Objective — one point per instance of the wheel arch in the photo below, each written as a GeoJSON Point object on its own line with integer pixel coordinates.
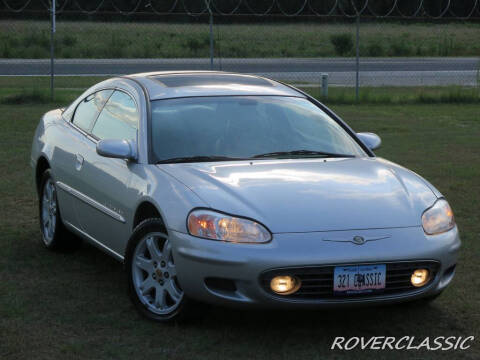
{"type": "Point", "coordinates": [41, 166]}
{"type": "Point", "coordinates": [146, 210]}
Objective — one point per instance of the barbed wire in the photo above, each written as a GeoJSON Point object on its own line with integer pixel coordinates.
{"type": "Point", "coordinates": [169, 9]}
{"type": "Point", "coordinates": [433, 9]}
{"type": "Point", "coordinates": [130, 11]}
{"type": "Point", "coordinates": [330, 12]}
{"type": "Point", "coordinates": [388, 13]}
{"type": "Point", "coordinates": [91, 11]}
{"type": "Point", "coordinates": [202, 4]}
{"type": "Point", "coordinates": [216, 8]}
{"type": "Point", "coordinates": [17, 9]}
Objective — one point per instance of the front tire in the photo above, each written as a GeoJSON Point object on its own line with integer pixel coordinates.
{"type": "Point", "coordinates": [152, 274]}
{"type": "Point", "coordinates": [54, 234]}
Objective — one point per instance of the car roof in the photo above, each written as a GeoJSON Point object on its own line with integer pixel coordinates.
{"type": "Point", "coordinates": [175, 84]}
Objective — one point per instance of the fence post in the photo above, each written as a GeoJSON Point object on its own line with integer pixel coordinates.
{"type": "Point", "coordinates": [207, 3]}
{"type": "Point", "coordinates": [211, 41]}
{"type": "Point", "coordinates": [324, 86]}
{"type": "Point", "coordinates": [478, 73]}
{"type": "Point", "coordinates": [357, 72]}
{"type": "Point", "coordinates": [52, 49]}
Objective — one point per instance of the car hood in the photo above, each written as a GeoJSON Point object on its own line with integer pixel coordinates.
{"type": "Point", "coordinates": [307, 195]}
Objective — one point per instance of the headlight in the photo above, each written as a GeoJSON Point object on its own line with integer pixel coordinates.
{"type": "Point", "coordinates": [438, 219]}
{"type": "Point", "coordinates": [217, 226]}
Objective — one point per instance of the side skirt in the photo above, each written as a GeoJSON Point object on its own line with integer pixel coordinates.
{"type": "Point", "coordinates": [94, 242]}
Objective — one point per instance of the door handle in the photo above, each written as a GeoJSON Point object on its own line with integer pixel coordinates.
{"type": "Point", "coordinates": [79, 162]}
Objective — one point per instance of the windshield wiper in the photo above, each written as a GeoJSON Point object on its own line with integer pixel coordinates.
{"type": "Point", "coordinates": [192, 159]}
{"type": "Point", "coordinates": [310, 153]}
{"type": "Point", "coordinates": [203, 158]}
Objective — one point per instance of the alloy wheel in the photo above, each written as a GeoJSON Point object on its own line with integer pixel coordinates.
{"type": "Point", "coordinates": [155, 275]}
{"type": "Point", "coordinates": [49, 212]}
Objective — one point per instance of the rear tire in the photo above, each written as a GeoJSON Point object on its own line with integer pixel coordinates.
{"type": "Point", "coordinates": [54, 234]}
{"type": "Point", "coordinates": [152, 275]}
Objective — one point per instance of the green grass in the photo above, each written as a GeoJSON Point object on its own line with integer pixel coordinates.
{"type": "Point", "coordinates": [17, 90]}
{"type": "Point", "coordinates": [399, 95]}
{"type": "Point", "coordinates": [9, 83]}
{"type": "Point", "coordinates": [75, 305]}
{"type": "Point", "coordinates": [36, 90]}
{"type": "Point", "coordinates": [31, 39]}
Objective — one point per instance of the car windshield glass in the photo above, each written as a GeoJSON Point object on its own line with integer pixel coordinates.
{"type": "Point", "coordinates": [246, 127]}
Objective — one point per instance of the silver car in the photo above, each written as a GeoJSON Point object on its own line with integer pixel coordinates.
{"type": "Point", "coordinates": [237, 190]}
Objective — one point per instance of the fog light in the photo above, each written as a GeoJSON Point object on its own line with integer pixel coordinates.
{"type": "Point", "coordinates": [419, 277]}
{"type": "Point", "coordinates": [285, 285]}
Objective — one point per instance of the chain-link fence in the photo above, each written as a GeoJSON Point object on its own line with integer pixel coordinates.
{"type": "Point", "coordinates": [347, 43]}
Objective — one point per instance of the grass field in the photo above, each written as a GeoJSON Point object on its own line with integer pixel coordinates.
{"type": "Point", "coordinates": [74, 305]}
{"type": "Point", "coordinates": [31, 39]}
{"type": "Point", "coordinates": [15, 90]}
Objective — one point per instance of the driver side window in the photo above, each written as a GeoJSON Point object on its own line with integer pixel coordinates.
{"type": "Point", "coordinates": [89, 108]}
{"type": "Point", "coordinates": [118, 119]}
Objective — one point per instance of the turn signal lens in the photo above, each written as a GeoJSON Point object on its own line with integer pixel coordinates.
{"type": "Point", "coordinates": [419, 277]}
{"type": "Point", "coordinates": [216, 226]}
{"type": "Point", "coordinates": [285, 285]}
{"type": "Point", "coordinates": [438, 219]}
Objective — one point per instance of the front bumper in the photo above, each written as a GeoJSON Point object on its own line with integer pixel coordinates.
{"type": "Point", "coordinates": [243, 264]}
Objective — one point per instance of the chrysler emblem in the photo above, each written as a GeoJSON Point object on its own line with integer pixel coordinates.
{"type": "Point", "coordinates": [359, 240]}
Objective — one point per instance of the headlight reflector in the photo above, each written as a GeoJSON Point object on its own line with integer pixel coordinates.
{"type": "Point", "coordinates": [438, 219]}
{"type": "Point", "coordinates": [217, 226]}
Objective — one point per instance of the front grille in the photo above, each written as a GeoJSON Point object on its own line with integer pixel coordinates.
{"type": "Point", "coordinates": [317, 281]}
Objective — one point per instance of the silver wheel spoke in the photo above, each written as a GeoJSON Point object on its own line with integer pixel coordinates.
{"type": "Point", "coordinates": [44, 209]}
{"type": "Point", "coordinates": [172, 291]}
{"type": "Point", "coordinates": [49, 191]}
{"type": "Point", "coordinates": [153, 248]}
{"type": "Point", "coordinates": [54, 196]}
{"type": "Point", "coordinates": [172, 270]}
{"type": "Point", "coordinates": [50, 226]}
{"type": "Point", "coordinates": [144, 264]}
{"type": "Point", "coordinates": [160, 299]}
{"type": "Point", "coordinates": [147, 285]}
{"type": "Point", "coordinates": [166, 251]}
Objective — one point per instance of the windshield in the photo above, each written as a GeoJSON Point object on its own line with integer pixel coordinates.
{"type": "Point", "coordinates": [243, 127]}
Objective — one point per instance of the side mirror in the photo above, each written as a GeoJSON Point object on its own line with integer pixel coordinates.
{"type": "Point", "coordinates": [119, 149]}
{"type": "Point", "coordinates": [371, 140]}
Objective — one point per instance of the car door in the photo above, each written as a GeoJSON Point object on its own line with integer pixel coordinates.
{"type": "Point", "coordinates": [105, 182]}
{"type": "Point", "coordinates": [67, 161]}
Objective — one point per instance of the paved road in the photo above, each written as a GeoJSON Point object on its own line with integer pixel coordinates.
{"type": "Point", "coordinates": [374, 71]}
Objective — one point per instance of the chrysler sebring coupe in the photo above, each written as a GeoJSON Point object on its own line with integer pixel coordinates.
{"type": "Point", "coordinates": [238, 190]}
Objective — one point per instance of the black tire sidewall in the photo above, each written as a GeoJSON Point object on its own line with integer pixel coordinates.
{"type": "Point", "coordinates": [142, 229]}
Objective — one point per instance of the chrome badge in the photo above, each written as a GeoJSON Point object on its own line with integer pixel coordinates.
{"type": "Point", "coordinates": [358, 240]}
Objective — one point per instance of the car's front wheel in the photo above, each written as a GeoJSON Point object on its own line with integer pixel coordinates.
{"type": "Point", "coordinates": [54, 234]}
{"type": "Point", "coordinates": [152, 274]}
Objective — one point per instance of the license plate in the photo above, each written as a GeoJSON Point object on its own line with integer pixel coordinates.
{"type": "Point", "coordinates": [359, 279]}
